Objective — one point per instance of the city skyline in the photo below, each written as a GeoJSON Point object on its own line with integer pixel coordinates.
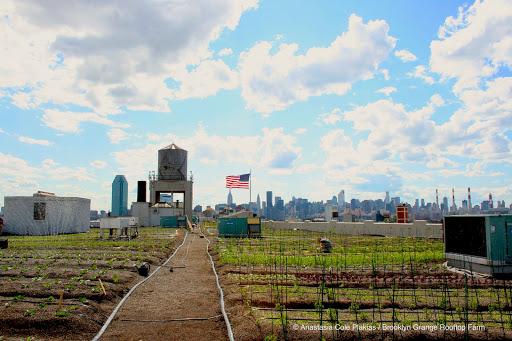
{"type": "Point", "coordinates": [309, 97]}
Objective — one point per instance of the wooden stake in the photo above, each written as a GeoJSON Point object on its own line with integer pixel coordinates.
{"type": "Point", "coordinates": [102, 287]}
{"type": "Point", "coordinates": [60, 300]}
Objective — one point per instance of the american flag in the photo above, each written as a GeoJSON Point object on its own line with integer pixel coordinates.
{"type": "Point", "coordinates": [237, 181]}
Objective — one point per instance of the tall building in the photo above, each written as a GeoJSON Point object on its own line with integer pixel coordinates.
{"type": "Point", "coordinates": [386, 199]}
{"type": "Point", "coordinates": [334, 200]}
{"type": "Point", "coordinates": [269, 199]}
{"type": "Point", "coordinates": [230, 198]}
{"type": "Point", "coordinates": [269, 210]}
{"type": "Point", "coordinates": [341, 198]}
{"type": "Point", "coordinates": [258, 202]}
{"type": "Point", "coordinates": [119, 196]}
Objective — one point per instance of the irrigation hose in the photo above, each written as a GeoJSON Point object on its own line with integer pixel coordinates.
{"type": "Point", "coordinates": [114, 313]}
{"type": "Point", "coordinates": [176, 320]}
{"type": "Point", "coordinates": [226, 319]}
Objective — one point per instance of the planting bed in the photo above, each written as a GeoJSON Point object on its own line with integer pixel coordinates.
{"type": "Point", "coordinates": [367, 287]}
{"type": "Point", "coordinates": [34, 271]}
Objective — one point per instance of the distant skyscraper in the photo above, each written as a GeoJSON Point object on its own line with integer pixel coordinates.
{"type": "Point", "coordinates": [334, 200]}
{"type": "Point", "coordinates": [341, 198]}
{"type": "Point", "coordinates": [230, 198]}
{"type": "Point", "coordinates": [119, 196]}
{"type": "Point", "coordinates": [269, 210]}
{"type": "Point", "coordinates": [258, 202]}
{"type": "Point", "coordinates": [386, 198]}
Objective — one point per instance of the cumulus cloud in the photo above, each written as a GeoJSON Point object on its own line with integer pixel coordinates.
{"type": "Point", "coordinates": [98, 164]}
{"type": "Point", "coordinates": [68, 121]}
{"type": "Point", "coordinates": [405, 56]}
{"type": "Point", "coordinates": [387, 90]}
{"type": "Point", "coordinates": [225, 52]}
{"type": "Point", "coordinates": [117, 135]}
{"type": "Point", "coordinates": [207, 79]}
{"type": "Point", "coordinates": [271, 149]}
{"type": "Point", "coordinates": [272, 82]}
{"type": "Point", "coordinates": [48, 163]}
{"type": "Point", "coordinates": [474, 44]}
{"type": "Point", "coordinates": [437, 101]}
{"type": "Point", "coordinates": [330, 117]}
{"type": "Point", "coordinates": [307, 168]}
{"type": "Point", "coordinates": [420, 72]}
{"type": "Point", "coordinates": [300, 131]}
{"type": "Point", "coordinates": [31, 140]}
{"type": "Point", "coordinates": [479, 128]}
{"type": "Point", "coordinates": [104, 55]}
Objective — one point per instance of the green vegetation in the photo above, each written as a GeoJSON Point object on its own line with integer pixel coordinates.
{"type": "Point", "coordinates": [364, 280]}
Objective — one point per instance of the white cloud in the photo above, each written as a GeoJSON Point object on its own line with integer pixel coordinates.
{"type": "Point", "coordinates": [48, 163]}
{"type": "Point", "coordinates": [474, 44]}
{"type": "Point", "coordinates": [273, 82]}
{"type": "Point", "coordinates": [441, 162]}
{"type": "Point", "coordinates": [419, 72]}
{"type": "Point", "coordinates": [104, 55]}
{"type": "Point", "coordinates": [479, 128]}
{"type": "Point", "coordinates": [206, 80]}
{"type": "Point", "coordinates": [300, 131]}
{"type": "Point", "coordinates": [437, 101]}
{"type": "Point", "coordinates": [405, 56]}
{"type": "Point", "coordinates": [225, 52]}
{"type": "Point", "coordinates": [79, 174]}
{"type": "Point", "coordinates": [271, 149]}
{"type": "Point", "coordinates": [331, 117]}
{"type": "Point", "coordinates": [307, 168]}
{"type": "Point", "coordinates": [387, 90]}
{"type": "Point", "coordinates": [98, 164]}
{"type": "Point", "coordinates": [14, 166]}
{"type": "Point", "coordinates": [385, 72]}
{"type": "Point", "coordinates": [1, 131]}
{"type": "Point", "coordinates": [69, 121]}
{"type": "Point", "coordinates": [31, 140]}
{"type": "Point", "coordinates": [117, 135]}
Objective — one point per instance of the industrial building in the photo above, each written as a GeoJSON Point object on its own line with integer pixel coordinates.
{"type": "Point", "coordinates": [45, 214]}
{"type": "Point", "coordinates": [171, 181]}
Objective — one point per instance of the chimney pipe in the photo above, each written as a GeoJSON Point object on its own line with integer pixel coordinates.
{"type": "Point", "coordinates": [141, 191]}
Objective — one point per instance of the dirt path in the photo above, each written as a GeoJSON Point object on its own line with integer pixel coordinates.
{"type": "Point", "coordinates": [189, 292]}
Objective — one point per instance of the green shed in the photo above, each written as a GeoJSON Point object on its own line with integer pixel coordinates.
{"type": "Point", "coordinates": [173, 221]}
{"type": "Point", "coordinates": [479, 243]}
{"type": "Point", "coordinates": [169, 221]}
{"type": "Point", "coordinates": [236, 226]}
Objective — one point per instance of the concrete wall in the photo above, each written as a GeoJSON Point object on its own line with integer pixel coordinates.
{"type": "Point", "coordinates": [63, 215]}
{"type": "Point", "coordinates": [418, 228]}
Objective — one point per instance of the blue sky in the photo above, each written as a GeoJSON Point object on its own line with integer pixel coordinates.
{"type": "Point", "coordinates": [311, 96]}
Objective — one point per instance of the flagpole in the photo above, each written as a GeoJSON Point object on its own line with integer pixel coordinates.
{"type": "Point", "coordinates": [250, 187]}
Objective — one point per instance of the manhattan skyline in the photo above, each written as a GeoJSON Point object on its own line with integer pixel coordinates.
{"type": "Point", "coordinates": [310, 97]}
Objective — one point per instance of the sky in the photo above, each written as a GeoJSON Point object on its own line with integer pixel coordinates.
{"type": "Point", "coordinates": [311, 97]}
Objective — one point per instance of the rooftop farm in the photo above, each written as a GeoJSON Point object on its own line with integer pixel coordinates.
{"type": "Point", "coordinates": [53, 284]}
{"type": "Point", "coordinates": [366, 287]}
